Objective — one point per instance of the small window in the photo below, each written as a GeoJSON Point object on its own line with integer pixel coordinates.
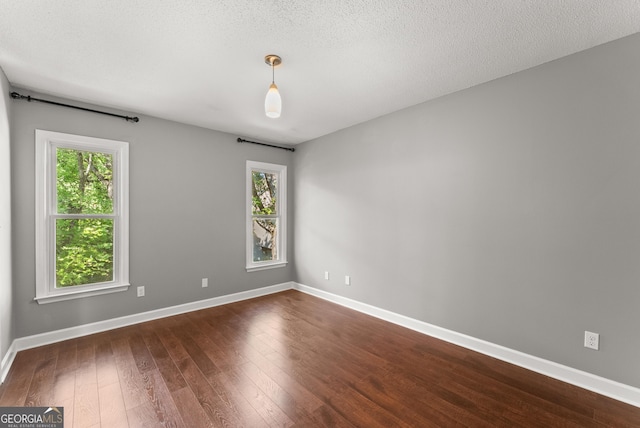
{"type": "Point", "coordinates": [266, 215]}
{"type": "Point", "coordinates": [82, 229]}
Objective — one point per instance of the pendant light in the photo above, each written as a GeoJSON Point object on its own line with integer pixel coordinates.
{"type": "Point", "coordinates": [273, 102]}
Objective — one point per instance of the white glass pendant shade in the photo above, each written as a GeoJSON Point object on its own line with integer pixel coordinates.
{"type": "Point", "coordinates": [273, 102]}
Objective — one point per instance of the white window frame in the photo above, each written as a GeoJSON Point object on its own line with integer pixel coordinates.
{"type": "Point", "coordinates": [46, 213]}
{"type": "Point", "coordinates": [281, 210]}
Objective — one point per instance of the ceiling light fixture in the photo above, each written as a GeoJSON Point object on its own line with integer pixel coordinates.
{"type": "Point", "coordinates": [273, 102]}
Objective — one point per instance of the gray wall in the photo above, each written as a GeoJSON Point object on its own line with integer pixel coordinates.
{"type": "Point", "coordinates": [187, 219]}
{"type": "Point", "coordinates": [6, 311]}
{"type": "Point", "coordinates": [509, 211]}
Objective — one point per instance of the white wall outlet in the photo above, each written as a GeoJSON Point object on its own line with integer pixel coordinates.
{"type": "Point", "coordinates": [591, 340]}
{"type": "Point", "coordinates": [326, 275]}
{"type": "Point", "coordinates": [141, 291]}
{"type": "Point", "coordinates": [205, 282]}
{"type": "Point", "coordinates": [347, 280]}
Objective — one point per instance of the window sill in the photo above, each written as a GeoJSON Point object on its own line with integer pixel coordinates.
{"type": "Point", "coordinates": [79, 294]}
{"type": "Point", "coordinates": [265, 267]}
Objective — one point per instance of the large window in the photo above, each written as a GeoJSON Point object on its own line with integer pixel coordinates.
{"type": "Point", "coordinates": [266, 215]}
{"type": "Point", "coordinates": [82, 228]}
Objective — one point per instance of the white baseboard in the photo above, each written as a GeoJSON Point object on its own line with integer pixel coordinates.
{"type": "Point", "coordinates": [5, 365]}
{"type": "Point", "coordinates": [600, 385]}
{"type": "Point", "coordinates": [616, 390]}
{"type": "Point", "coordinates": [36, 340]}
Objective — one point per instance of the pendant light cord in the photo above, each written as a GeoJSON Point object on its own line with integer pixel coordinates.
{"type": "Point", "coordinates": [273, 73]}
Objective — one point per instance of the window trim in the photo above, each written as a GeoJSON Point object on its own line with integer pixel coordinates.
{"type": "Point", "coordinates": [46, 214]}
{"type": "Point", "coordinates": [281, 170]}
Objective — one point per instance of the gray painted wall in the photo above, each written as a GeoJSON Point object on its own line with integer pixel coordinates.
{"type": "Point", "coordinates": [508, 211]}
{"type": "Point", "coordinates": [6, 310]}
{"type": "Point", "coordinates": [187, 219]}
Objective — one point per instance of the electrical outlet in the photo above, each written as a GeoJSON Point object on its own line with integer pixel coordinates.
{"type": "Point", "coordinates": [591, 340]}
{"type": "Point", "coordinates": [347, 280]}
{"type": "Point", "coordinates": [326, 275]}
{"type": "Point", "coordinates": [141, 291]}
{"type": "Point", "coordinates": [205, 282]}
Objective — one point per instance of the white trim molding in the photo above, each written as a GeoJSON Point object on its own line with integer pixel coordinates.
{"type": "Point", "coordinates": [47, 338]}
{"type": "Point", "coordinates": [7, 360]}
{"type": "Point", "coordinates": [47, 145]}
{"type": "Point", "coordinates": [616, 390]}
{"type": "Point", "coordinates": [280, 216]}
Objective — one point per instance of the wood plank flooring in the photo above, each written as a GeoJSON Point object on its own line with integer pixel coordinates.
{"type": "Point", "coordinates": [290, 359]}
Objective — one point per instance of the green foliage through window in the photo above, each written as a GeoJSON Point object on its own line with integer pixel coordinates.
{"type": "Point", "coordinates": [84, 251]}
{"type": "Point", "coordinates": [264, 210]}
{"type": "Point", "coordinates": [264, 193]}
{"type": "Point", "coordinates": [85, 236]}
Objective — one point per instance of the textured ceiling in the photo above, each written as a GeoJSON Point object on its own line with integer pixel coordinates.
{"type": "Point", "coordinates": [344, 62]}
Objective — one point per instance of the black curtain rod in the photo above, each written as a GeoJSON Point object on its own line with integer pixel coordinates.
{"type": "Point", "coordinates": [17, 96]}
{"type": "Point", "coordinates": [242, 140]}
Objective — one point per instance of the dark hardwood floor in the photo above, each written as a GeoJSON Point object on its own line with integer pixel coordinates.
{"type": "Point", "coordinates": [290, 359]}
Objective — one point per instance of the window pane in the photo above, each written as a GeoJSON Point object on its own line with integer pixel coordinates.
{"type": "Point", "coordinates": [264, 239]}
{"type": "Point", "coordinates": [84, 251]}
{"type": "Point", "coordinates": [265, 193]}
{"type": "Point", "coordinates": [84, 182]}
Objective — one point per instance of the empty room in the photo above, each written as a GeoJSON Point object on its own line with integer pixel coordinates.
{"type": "Point", "coordinates": [320, 214]}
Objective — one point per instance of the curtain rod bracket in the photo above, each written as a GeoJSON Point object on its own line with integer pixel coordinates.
{"type": "Point", "coordinates": [29, 98]}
